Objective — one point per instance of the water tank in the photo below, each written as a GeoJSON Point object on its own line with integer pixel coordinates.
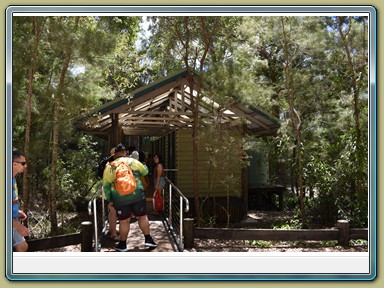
{"type": "Point", "coordinates": [258, 174]}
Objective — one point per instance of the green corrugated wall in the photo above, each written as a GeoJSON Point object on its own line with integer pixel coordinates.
{"type": "Point", "coordinates": [184, 164]}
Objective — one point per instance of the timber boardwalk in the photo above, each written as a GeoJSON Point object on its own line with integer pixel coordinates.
{"type": "Point", "coordinates": [135, 242]}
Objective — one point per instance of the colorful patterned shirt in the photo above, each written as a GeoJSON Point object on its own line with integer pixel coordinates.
{"type": "Point", "coordinates": [15, 199]}
{"type": "Point", "coordinates": [111, 195]}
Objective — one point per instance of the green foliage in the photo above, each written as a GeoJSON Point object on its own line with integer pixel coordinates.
{"type": "Point", "coordinates": [222, 165]}
{"type": "Point", "coordinates": [260, 243]}
{"type": "Point", "coordinates": [358, 242]}
{"type": "Point", "coordinates": [77, 173]}
{"type": "Point", "coordinates": [246, 62]}
{"type": "Point", "coordinates": [291, 201]}
{"type": "Point", "coordinates": [293, 224]}
{"type": "Point", "coordinates": [207, 221]}
{"type": "Point", "coordinates": [341, 187]}
{"type": "Point", "coordinates": [329, 243]}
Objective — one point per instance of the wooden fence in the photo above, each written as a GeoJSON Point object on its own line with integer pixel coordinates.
{"type": "Point", "coordinates": [85, 238]}
{"type": "Point", "coordinates": [342, 234]}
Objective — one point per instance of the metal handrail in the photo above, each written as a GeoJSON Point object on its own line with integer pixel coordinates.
{"type": "Point", "coordinates": [92, 204]}
{"type": "Point", "coordinates": [171, 215]}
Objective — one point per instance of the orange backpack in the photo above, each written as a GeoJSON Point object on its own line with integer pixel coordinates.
{"type": "Point", "coordinates": [125, 182]}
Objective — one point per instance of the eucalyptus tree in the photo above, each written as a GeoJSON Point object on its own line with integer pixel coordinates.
{"type": "Point", "coordinates": [124, 68]}
{"type": "Point", "coordinates": [313, 99]}
{"type": "Point", "coordinates": [78, 37]}
{"type": "Point", "coordinates": [188, 42]}
{"type": "Point", "coordinates": [296, 117]}
{"type": "Point", "coordinates": [283, 57]}
{"type": "Point", "coordinates": [69, 47]}
{"type": "Point", "coordinates": [346, 175]}
{"type": "Point", "coordinates": [351, 39]}
{"type": "Point", "coordinates": [31, 74]}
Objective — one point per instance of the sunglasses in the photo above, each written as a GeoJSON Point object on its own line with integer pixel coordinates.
{"type": "Point", "coordinates": [22, 163]}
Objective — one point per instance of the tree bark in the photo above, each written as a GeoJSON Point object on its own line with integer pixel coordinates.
{"type": "Point", "coordinates": [295, 118]}
{"type": "Point", "coordinates": [356, 70]}
{"type": "Point", "coordinates": [32, 72]}
{"type": "Point", "coordinates": [55, 141]}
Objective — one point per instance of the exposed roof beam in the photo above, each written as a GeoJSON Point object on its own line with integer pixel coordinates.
{"type": "Point", "coordinates": [165, 105]}
{"type": "Point", "coordinates": [157, 123]}
{"type": "Point", "coordinates": [133, 118]}
{"type": "Point", "coordinates": [146, 97]}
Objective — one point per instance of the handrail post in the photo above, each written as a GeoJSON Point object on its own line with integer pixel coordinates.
{"type": "Point", "coordinates": [181, 223]}
{"type": "Point", "coordinates": [176, 213]}
{"type": "Point", "coordinates": [343, 226]}
{"type": "Point", "coordinates": [188, 233]}
{"type": "Point", "coordinates": [86, 236]}
{"type": "Point", "coordinates": [95, 225]}
{"type": "Point", "coordinates": [170, 202]}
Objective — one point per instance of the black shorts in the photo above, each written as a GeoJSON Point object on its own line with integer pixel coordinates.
{"type": "Point", "coordinates": [138, 209]}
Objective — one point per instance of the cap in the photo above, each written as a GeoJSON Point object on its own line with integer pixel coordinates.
{"type": "Point", "coordinates": [135, 155]}
{"type": "Point", "coordinates": [120, 147]}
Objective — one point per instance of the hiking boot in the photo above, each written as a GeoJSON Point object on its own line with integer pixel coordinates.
{"type": "Point", "coordinates": [121, 247]}
{"type": "Point", "coordinates": [149, 242]}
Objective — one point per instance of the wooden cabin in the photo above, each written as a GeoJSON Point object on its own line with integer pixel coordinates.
{"type": "Point", "coordinates": [162, 110]}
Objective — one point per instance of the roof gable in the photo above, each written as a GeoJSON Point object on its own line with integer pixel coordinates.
{"type": "Point", "coordinates": [165, 105]}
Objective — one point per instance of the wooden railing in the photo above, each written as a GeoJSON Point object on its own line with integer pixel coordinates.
{"type": "Point", "coordinates": [342, 234]}
{"type": "Point", "coordinates": [85, 238]}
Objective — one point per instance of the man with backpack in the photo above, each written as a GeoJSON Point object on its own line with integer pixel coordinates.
{"type": "Point", "coordinates": [123, 187]}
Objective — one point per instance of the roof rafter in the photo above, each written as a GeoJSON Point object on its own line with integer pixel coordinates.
{"type": "Point", "coordinates": [165, 105]}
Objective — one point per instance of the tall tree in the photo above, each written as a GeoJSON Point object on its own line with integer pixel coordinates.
{"type": "Point", "coordinates": [354, 44]}
{"type": "Point", "coordinates": [68, 43]}
{"type": "Point", "coordinates": [188, 40]}
{"type": "Point", "coordinates": [32, 72]}
{"type": "Point", "coordinates": [296, 118]}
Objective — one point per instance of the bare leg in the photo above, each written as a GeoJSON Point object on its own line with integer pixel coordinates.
{"type": "Point", "coordinates": [143, 224]}
{"type": "Point", "coordinates": [112, 219]}
{"type": "Point", "coordinates": [21, 247]}
{"type": "Point", "coordinates": [124, 229]}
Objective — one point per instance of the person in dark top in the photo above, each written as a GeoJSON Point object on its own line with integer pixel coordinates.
{"type": "Point", "coordinates": [158, 172]}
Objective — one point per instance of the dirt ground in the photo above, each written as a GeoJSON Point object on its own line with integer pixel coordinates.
{"type": "Point", "coordinates": [204, 245]}
{"type": "Point", "coordinates": [265, 220]}
{"type": "Point", "coordinates": [255, 219]}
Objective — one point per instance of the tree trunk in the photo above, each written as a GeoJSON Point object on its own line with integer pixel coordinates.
{"type": "Point", "coordinates": [32, 72]}
{"type": "Point", "coordinates": [55, 142]}
{"type": "Point", "coordinates": [356, 84]}
{"type": "Point", "coordinates": [195, 155]}
{"type": "Point", "coordinates": [195, 69]}
{"type": "Point", "coordinates": [53, 171]}
{"type": "Point", "coordinates": [295, 118]}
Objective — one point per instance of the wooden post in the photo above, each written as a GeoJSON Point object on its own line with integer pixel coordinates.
{"type": "Point", "coordinates": [343, 226]}
{"type": "Point", "coordinates": [188, 233]}
{"type": "Point", "coordinates": [115, 136]}
{"type": "Point", "coordinates": [86, 236]}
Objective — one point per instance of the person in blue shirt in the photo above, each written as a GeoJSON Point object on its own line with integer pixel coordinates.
{"type": "Point", "coordinates": [19, 244]}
